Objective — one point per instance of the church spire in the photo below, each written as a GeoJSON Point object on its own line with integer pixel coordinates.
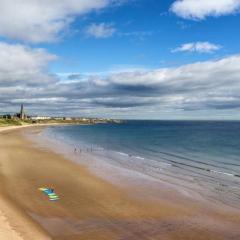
{"type": "Point", "coordinates": [22, 115]}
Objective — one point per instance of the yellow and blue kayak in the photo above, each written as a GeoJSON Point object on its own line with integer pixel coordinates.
{"type": "Point", "coordinates": [52, 196]}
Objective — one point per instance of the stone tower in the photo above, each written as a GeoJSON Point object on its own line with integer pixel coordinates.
{"type": "Point", "coordinates": [22, 115]}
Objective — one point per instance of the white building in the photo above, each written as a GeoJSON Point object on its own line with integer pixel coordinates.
{"type": "Point", "coordinates": [40, 118]}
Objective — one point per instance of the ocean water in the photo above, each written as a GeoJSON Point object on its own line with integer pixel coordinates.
{"type": "Point", "coordinates": [203, 156]}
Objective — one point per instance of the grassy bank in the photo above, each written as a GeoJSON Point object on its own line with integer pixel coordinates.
{"type": "Point", "coordinates": [18, 122]}
{"type": "Point", "coordinates": [10, 122]}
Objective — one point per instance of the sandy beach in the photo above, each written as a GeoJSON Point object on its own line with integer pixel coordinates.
{"type": "Point", "coordinates": [90, 207]}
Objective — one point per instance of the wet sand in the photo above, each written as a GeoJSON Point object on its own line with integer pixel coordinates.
{"type": "Point", "coordinates": [90, 207]}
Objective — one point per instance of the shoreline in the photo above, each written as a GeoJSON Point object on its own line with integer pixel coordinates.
{"type": "Point", "coordinates": [11, 128]}
{"type": "Point", "coordinates": [117, 175]}
{"type": "Point", "coordinates": [110, 166]}
{"type": "Point", "coordinates": [91, 208]}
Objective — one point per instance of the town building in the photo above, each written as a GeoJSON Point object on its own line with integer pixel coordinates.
{"type": "Point", "coordinates": [40, 118]}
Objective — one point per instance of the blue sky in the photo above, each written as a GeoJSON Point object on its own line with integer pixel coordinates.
{"type": "Point", "coordinates": [177, 59]}
{"type": "Point", "coordinates": [146, 32]}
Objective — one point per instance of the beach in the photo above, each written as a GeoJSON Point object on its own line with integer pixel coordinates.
{"type": "Point", "coordinates": [91, 207]}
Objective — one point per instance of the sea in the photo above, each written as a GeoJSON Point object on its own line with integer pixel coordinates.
{"type": "Point", "coordinates": [201, 156]}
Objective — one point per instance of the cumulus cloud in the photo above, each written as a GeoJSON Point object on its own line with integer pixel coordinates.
{"type": "Point", "coordinates": [101, 30]}
{"type": "Point", "coordinates": [24, 78]}
{"type": "Point", "coordinates": [22, 66]}
{"type": "Point", "coordinates": [200, 9]}
{"type": "Point", "coordinates": [43, 20]}
{"type": "Point", "coordinates": [201, 47]}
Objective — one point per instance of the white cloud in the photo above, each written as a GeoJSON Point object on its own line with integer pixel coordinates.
{"type": "Point", "coordinates": [21, 65]}
{"type": "Point", "coordinates": [200, 9]}
{"type": "Point", "coordinates": [201, 47]}
{"type": "Point", "coordinates": [186, 77]}
{"type": "Point", "coordinates": [42, 20]}
{"type": "Point", "coordinates": [24, 77]}
{"type": "Point", "coordinates": [101, 30]}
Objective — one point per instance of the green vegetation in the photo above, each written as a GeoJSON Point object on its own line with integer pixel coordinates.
{"type": "Point", "coordinates": [10, 122]}
{"type": "Point", "coordinates": [18, 122]}
{"type": "Point", "coordinates": [14, 122]}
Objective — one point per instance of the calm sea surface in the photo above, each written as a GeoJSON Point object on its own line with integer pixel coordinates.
{"type": "Point", "coordinates": [199, 155]}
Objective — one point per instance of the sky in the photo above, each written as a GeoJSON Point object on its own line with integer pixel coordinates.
{"type": "Point", "coordinates": [129, 59]}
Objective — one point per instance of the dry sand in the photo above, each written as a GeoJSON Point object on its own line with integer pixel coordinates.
{"type": "Point", "coordinates": [90, 207]}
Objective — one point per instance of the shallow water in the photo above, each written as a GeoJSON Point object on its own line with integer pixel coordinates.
{"type": "Point", "coordinates": [201, 156]}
